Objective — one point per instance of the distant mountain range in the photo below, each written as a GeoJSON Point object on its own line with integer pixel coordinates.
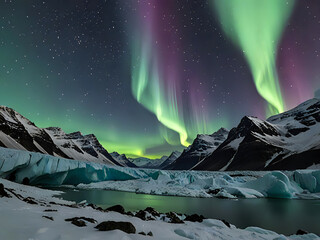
{"type": "Point", "coordinates": [287, 141]}
{"type": "Point", "coordinates": [143, 162]}
{"type": "Point", "coordinates": [18, 132]}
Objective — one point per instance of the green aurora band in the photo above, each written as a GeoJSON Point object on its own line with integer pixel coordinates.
{"type": "Point", "coordinates": [149, 91]}
{"type": "Point", "coordinates": [256, 27]}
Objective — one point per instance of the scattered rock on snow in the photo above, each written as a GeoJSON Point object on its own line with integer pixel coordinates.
{"type": "Point", "coordinates": [116, 208]}
{"type": "Point", "coordinates": [3, 192]}
{"type": "Point", "coordinates": [95, 207]}
{"type": "Point", "coordinates": [79, 223]}
{"type": "Point", "coordinates": [47, 217]}
{"type": "Point", "coordinates": [226, 223]}
{"type": "Point", "coordinates": [91, 220]}
{"type": "Point", "coordinates": [301, 232]}
{"type": "Point", "coordinates": [141, 214]}
{"type": "Point", "coordinates": [194, 218]}
{"type": "Point", "coordinates": [129, 214]}
{"type": "Point", "coordinates": [173, 217]}
{"type": "Point", "coordinates": [146, 234]}
{"type": "Point", "coordinates": [30, 200]}
{"type": "Point", "coordinates": [152, 211]}
{"type": "Point", "coordinates": [111, 225]}
{"type": "Point", "coordinates": [50, 210]}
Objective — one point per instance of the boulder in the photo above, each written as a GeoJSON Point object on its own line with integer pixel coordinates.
{"type": "Point", "coordinates": [112, 225]}
{"type": "Point", "coordinates": [194, 218]}
{"type": "Point", "coordinates": [301, 232]}
{"type": "Point", "coordinates": [116, 208]}
{"type": "Point", "coordinates": [3, 192]}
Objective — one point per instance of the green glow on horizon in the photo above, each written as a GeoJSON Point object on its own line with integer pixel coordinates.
{"type": "Point", "coordinates": [256, 27]}
{"type": "Point", "coordinates": [148, 91]}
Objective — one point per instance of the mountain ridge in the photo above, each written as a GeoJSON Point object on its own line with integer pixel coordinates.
{"type": "Point", "coordinates": [279, 143]}
{"type": "Point", "coordinates": [18, 132]}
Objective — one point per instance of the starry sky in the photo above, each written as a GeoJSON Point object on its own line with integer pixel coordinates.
{"type": "Point", "coordinates": [146, 76]}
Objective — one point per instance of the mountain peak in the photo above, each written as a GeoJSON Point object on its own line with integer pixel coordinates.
{"type": "Point", "coordinates": [75, 135]}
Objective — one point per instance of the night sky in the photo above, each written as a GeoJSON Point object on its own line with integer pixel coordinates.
{"type": "Point", "coordinates": [145, 76]}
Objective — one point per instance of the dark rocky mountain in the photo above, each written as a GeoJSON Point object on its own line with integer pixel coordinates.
{"type": "Point", "coordinates": [201, 147]}
{"type": "Point", "coordinates": [173, 156]}
{"type": "Point", "coordinates": [287, 141]}
{"type": "Point", "coordinates": [18, 132]}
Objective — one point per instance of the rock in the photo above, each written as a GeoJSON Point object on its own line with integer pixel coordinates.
{"type": "Point", "coordinates": [226, 223]}
{"type": "Point", "coordinates": [214, 191]}
{"type": "Point", "coordinates": [146, 234]}
{"type": "Point", "coordinates": [47, 217]}
{"type": "Point", "coordinates": [91, 220]}
{"type": "Point", "coordinates": [50, 210]}
{"type": "Point", "coordinates": [26, 181]}
{"type": "Point", "coordinates": [3, 192]}
{"type": "Point", "coordinates": [95, 207]}
{"type": "Point", "coordinates": [141, 214]}
{"type": "Point", "coordinates": [111, 225]}
{"type": "Point", "coordinates": [129, 214]}
{"type": "Point", "coordinates": [173, 218]}
{"type": "Point", "coordinates": [194, 218]}
{"type": "Point", "coordinates": [116, 208]}
{"type": "Point", "coordinates": [79, 223]}
{"type": "Point", "coordinates": [301, 232]}
{"type": "Point", "coordinates": [30, 200]}
{"type": "Point", "coordinates": [152, 211]}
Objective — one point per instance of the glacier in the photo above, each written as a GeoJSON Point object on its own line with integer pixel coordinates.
{"type": "Point", "coordinates": [40, 169]}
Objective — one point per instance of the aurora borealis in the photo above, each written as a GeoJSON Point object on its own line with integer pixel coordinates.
{"type": "Point", "coordinates": [256, 27]}
{"type": "Point", "coordinates": [147, 76]}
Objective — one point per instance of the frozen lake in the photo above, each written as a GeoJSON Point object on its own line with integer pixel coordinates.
{"type": "Point", "coordinates": [280, 215]}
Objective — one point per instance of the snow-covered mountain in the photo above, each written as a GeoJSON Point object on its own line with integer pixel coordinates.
{"type": "Point", "coordinates": [122, 159]}
{"type": "Point", "coordinates": [173, 156]}
{"type": "Point", "coordinates": [201, 147]}
{"type": "Point", "coordinates": [287, 141]}
{"type": "Point", "coordinates": [18, 132]}
{"type": "Point", "coordinates": [143, 162]}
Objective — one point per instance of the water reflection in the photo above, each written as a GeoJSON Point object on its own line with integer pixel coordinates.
{"type": "Point", "coordinates": [283, 216]}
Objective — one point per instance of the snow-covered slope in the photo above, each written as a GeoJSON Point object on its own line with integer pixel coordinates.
{"type": "Point", "coordinates": [201, 147]}
{"type": "Point", "coordinates": [18, 132]}
{"type": "Point", "coordinates": [79, 147]}
{"type": "Point", "coordinates": [122, 159]}
{"type": "Point", "coordinates": [287, 141]}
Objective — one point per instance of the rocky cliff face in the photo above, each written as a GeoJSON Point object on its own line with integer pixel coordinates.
{"type": "Point", "coordinates": [201, 147]}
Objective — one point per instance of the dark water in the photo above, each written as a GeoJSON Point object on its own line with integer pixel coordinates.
{"type": "Point", "coordinates": [279, 215]}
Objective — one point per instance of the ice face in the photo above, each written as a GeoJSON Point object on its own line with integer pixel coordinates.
{"type": "Point", "coordinates": [41, 169]}
{"type": "Point", "coordinates": [49, 170]}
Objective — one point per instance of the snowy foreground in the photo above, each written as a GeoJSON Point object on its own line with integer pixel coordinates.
{"type": "Point", "coordinates": [33, 213]}
{"type": "Point", "coordinates": [40, 169]}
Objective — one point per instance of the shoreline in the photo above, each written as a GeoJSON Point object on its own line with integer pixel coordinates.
{"type": "Point", "coordinates": [45, 216]}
